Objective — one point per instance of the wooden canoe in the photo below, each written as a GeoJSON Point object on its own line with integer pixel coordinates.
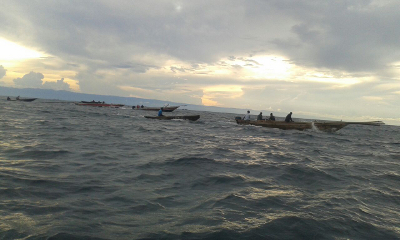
{"type": "Point", "coordinates": [321, 126]}
{"type": "Point", "coordinates": [99, 104]}
{"type": "Point", "coordinates": [26, 99]}
{"type": "Point", "coordinates": [189, 117]}
{"type": "Point", "coordinates": [165, 109]}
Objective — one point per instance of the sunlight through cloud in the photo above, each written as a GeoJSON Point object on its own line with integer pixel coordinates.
{"type": "Point", "coordinates": [211, 94]}
{"type": "Point", "coordinates": [10, 51]}
{"type": "Point", "coordinates": [264, 67]}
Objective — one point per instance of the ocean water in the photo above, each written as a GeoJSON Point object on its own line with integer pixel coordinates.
{"type": "Point", "coordinates": [77, 172]}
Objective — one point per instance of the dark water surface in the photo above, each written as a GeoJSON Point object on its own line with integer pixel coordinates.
{"type": "Point", "coordinates": [76, 172]}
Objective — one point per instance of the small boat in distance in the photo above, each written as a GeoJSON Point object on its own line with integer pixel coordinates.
{"type": "Point", "coordinates": [321, 126]}
{"type": "Point", "coordinates": [189, 117]}
{"type": "Point", "coordinates": [98, 104]}
{"type": "Point", "coordinates": [22, 99]}
{"type": "Point", "coordinates": [27, 99]}
{"type": "Point", "coordinates": [165, 109]}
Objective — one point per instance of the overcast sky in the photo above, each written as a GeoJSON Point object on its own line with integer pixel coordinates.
{"type": "Point", "coordinates": [326, 59]}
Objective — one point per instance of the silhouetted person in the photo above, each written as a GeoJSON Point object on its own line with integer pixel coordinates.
{"type": "Point", "coordinates": [247, 116]}
{"type": "Point", "coordinates": [259, 116]}
{"type": "Point", "coordinates": [289, 118]}
{"type": "Point", "coordinates": [8, 98]}
{"type": "Point", "coordinates": [271, 117]}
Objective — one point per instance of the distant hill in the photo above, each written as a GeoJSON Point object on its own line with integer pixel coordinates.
{"type": "Point", "coordinates": [77, 97]}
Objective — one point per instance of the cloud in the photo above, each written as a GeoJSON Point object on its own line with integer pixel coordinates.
{"type": "Point", "coordinates": [35, 80]}
{"type": "Point", "coordinates": [372, 98]}
{"type": "Point", "coordinates": [137, 92]}
{"type": "Point", "coordinates": [2, 71]}
{"type": "Point", "coordinates": [353, 35]}
{"type": "Point", "coordinates": [31, 79]}
{"type": "Point", "coordinates": [59, 85]}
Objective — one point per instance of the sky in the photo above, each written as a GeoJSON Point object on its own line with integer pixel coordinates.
{"type": "Point", "coordinates": [325, 59]}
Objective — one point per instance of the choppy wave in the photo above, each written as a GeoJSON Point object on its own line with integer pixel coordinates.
{"type": "Point", "coordinates": [75, 172]}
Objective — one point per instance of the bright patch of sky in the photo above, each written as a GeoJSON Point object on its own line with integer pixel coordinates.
{"type": "Point", "coordinates": [10, 51]}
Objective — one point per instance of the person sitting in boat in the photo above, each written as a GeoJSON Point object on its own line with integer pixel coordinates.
{"type": "Point", "coordinates": [247, 116]}
{"type": "Point", "coordinates": [160, 112]}
{"type": "Point", "coordinates": [289, 118]}
{"type": "Point", "coordinates": [8, 98]}
{"type": "Point", "coordinates": [271, 117]}
{"type": "Point", "coordinates": [142, 106]}
{"type": "Point", "coordinates": [259, 117]}
{"type": "Point", "coordinates": [17, 98]}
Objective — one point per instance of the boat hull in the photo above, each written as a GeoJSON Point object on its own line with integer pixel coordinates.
{"type": "Point", "coordinates": [165, 109]}
{"type": "Point", "coordinates": [27, 99]}
{"type": "Point", "coordinates": [321, 126]}
{"type": "Point", "coordinates": [191, 117]}
{"type": "Point", "coordinates": [100, 105]}
{"type": "Point", "coordinates": [278, 124]}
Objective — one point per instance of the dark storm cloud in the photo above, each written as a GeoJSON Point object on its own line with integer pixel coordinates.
{"type": "Point", "coordinates": [200, 32]}
{"type": "Point", "coordinates": [352, 35]}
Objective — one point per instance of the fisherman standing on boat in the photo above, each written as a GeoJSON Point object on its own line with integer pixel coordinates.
{"type": "Point", "coordinates": [247, 116]}
{"type": "Point", "coordinates": [259, 117]}
{"type": "Point", "coordinates": [8, 98]}
{"type": "Point", "coordinates": [271, 117]}
{"type": "Point", "coordinates": [160, 112]}
{"type": "Point", "coordinates": [289, 118]}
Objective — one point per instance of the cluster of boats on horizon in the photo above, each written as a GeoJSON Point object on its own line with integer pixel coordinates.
{"type": "Point", "coordinates": [288, 124]}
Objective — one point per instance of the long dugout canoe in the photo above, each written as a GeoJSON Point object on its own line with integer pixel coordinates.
{"type": "Point", "coordinates": [25, 99]}
{"type": "Point", "coordinates": [165, 109]}
{"type": "Point", "coordinates": [322, 126]}
{"type": "Point", "coordinates": [189, 117]}
{"type": "Point", "coordinates": [100, 105]}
